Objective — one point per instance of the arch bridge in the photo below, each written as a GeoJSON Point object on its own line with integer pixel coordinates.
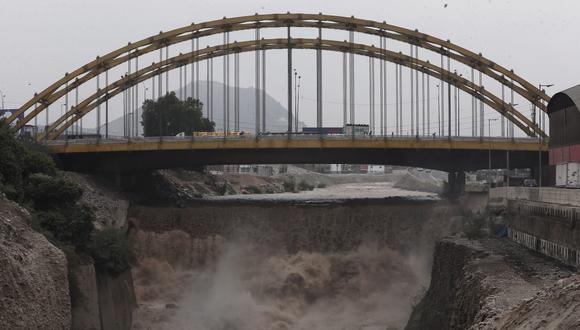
{"type": "Point", "coordinates": [401, 112]}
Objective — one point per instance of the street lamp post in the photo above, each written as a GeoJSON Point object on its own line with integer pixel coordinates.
{"type": "Point", "coordinates": [536, 117]}
{"type": "Point", "coordinates": [489, 120]}
{"type": "Point", "coordinates": [540, 139]}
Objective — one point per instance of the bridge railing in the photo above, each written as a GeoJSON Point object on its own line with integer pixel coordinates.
{"type": "Point", "coordinates": [299, 137]}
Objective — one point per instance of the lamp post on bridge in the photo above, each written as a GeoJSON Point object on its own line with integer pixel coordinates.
{"type": "Point", "coordinates": [298, 104]}
{"type": "Point", "coordinates": [295, 106]}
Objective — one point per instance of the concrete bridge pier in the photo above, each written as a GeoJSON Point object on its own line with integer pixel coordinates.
{"type": "Point", "coordinates": [455, 184]}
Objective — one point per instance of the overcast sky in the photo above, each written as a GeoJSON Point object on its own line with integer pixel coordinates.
{"type": "Point", "coordinates": [42, 39]}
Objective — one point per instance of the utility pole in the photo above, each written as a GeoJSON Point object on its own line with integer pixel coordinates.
{"type": "Point", "coordinates": [2, 96]}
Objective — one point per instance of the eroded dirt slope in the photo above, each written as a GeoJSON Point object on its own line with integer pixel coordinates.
{"type": "Point", "coordinates": [33, 275]}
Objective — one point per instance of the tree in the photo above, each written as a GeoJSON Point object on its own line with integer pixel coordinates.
{"type": "Point", "coordinates": [169, 116]}
{"type": "Point", "coordinates": [18, 161]}
{"type": "Point", "coordinates": [111, 251]}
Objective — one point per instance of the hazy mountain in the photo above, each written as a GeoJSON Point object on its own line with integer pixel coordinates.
{"type": "Point", "coordinates": [276, 114]}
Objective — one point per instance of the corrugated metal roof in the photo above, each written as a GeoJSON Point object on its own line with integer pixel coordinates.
{"type": "Point", "coordinates": [562, 99]}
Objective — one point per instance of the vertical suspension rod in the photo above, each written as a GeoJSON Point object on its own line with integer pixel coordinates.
{"type": "Point", "coordinates": [289, 83]}
{"type": "Point", "coordinates": [263, 90]}
{"type": "Point", "coordinates": [400, 100]}
{"type": "Point", "coordinates": [412, 94]}
{"type": "Point", "coordinates": [237, 91]}
{"type": "Point", "coordinates": [384, 120]}
{"type": "Point", "coordinates": [207, 99]}
{"type": "Point", "coordinates": [442, 105]}
{"type": "Point", "coordinates": [423, 103]}
{"type": "Point", "coordinates": [352, 90]}
{"type": "Point", "coordinates": [344, 87]}
{"type": "Point", "coordinates": [106, 104]}
{"type": "Point", "coordinates": [416, 91]}
{"type": "Point", "coordinates": [481, 115]}
{"type": "Point", "coordinates": [371, 95]}
{"type": "Point", "coordinates": [257, 69]}
{"type": "Point", "coordinates": [192, 85]}
{"type": "Point", "coordinates": [196, 71]}
{"type": "Point", "coordinates": [396, 99]}
{"type": "Point", "coordinates": [381, 89]}
{"type": "Point", "coordinates": [428, 106]}
{"type": "Point", "coordinates": [319, 80]}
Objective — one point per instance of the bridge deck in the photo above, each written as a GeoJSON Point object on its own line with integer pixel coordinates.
{"type": "Point", "coordinates": [293, 142]}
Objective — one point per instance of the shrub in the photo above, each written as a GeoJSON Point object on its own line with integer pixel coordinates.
{"type": "Point", "coordinates": [48, 192]}
{"type": "Point", "coordinates": [69, 225]}
{"type": "Point", "coordinates": [321, 185]}
{"type": "Point", "coordinates": [18, 161]}
{"type": "Point", "coordinates": [111, 252]}
{"type": "Point", "coordinates": [37, 160]}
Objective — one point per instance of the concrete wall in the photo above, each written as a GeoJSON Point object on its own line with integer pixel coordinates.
{"type": "Point", "coordinates": [565, 254]}
{"type": "Point", "coordinates": [550, 195]}
{"type": "Point", "coordinates": [85, 312]}
{"type": "Point", "coordinates": [546, 220]}
{"type": "Point", "coordinates": [116, 301]}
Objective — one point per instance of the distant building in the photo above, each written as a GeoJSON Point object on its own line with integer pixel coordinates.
{"type": "Point", "coordinates": [564, 113]}
{"type": "Point", "coordinates": [359, 129]}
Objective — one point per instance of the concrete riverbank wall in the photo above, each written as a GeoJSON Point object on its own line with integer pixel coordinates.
{"type": "Point", "coordinates": [546, 220]}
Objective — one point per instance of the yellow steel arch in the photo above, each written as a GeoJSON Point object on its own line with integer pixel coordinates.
{"type": "Point", "coordinates": [148, 72]}
{"type": "Point", "coordinates": [85, 73]}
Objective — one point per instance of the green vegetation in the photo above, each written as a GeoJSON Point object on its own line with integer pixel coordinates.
{"type": "Point", "coordinates": [111, 251]}
{"type": "Point", "coordinates": [169, 116]}
{"type": "Point", "coordinates": [29, 176]}
{"type": "Point", "coordinates": [321, 185]}
{"type": "Point", "coordinates": [18, 161]}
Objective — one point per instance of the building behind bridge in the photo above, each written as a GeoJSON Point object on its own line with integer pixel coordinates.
{"type": "Point", "coordinates": [564, 113]}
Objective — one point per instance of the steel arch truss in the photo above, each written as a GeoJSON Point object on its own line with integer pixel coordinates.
{"type": "Point", "coordinates": [100, 65]}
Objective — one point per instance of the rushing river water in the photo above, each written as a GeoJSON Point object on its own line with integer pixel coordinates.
{"type": "Point", "coordinates": [348, 191]}
{"type": "Point", "coordinates": [350, 267]}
